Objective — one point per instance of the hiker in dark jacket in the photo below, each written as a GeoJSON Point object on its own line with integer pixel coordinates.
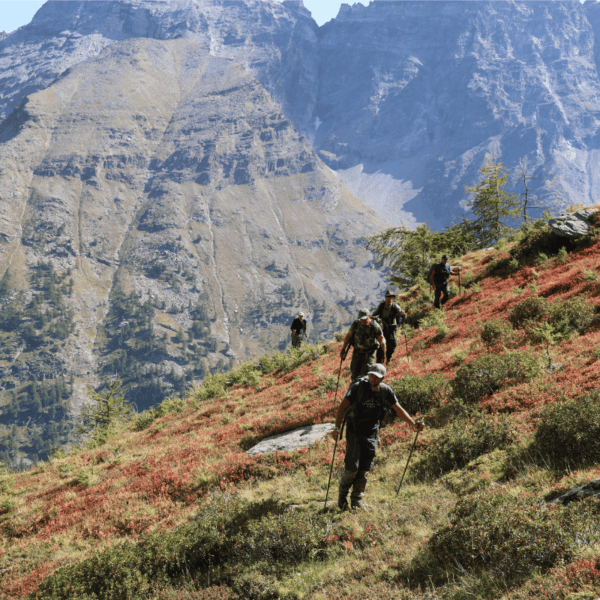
{"type": "Point", "coordinates": [298, 328]}
{"type": "Point", "coordinates": [391, 316]}
{"type": "Point", "coordinates": [366, 336]}
{"type": "Point", "coordinates": [439, 275]}
{"type": "Point", "coordinates": [367, 401]}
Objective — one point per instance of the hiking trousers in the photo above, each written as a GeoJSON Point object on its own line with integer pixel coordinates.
{"type": "Point", "coordinates": [441, 290]}
{"type": "Point", "coordinates": [296, 339]}
{"type": "Point", "coordinates": [358, 462]}
{"type": "Point", "coordinates": [390, 347]}
{"type": "Point", "coordinates": [361, 361]}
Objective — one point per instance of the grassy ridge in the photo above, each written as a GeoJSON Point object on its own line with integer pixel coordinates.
{"type": "Point", "coordinates": [177, 495]}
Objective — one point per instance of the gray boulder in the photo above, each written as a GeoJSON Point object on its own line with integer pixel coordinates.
{"type": "Point", "coordinates": [292, 440]}
{"type": "Point", "coordinates": [585, 491]}
{"type": "Point", "coordinates": [572, 225]}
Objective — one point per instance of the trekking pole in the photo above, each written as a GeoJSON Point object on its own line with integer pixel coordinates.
{"type": "Point", "coordinates": [332, 463]}
{"type": "Point", "coordinates": [459, 289]}
{"type": "Point", "coordinates": [406, 342]}
{"type": "Point", "coordinates": [337, 385]}
{"type": "Point", "coordinates": [406, 467]}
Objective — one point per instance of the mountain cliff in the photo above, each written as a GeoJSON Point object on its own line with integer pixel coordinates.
{"type": "Point", "coordinates": [160, 218]}
{"type": "Point", "coordinates": [414, 94]}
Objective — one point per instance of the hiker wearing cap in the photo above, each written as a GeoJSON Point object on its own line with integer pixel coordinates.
{"type": "Point", "coordinates": [363, 408]}
{"type": "Point", "coordinates": [391, 316]}
{"type": "Point", "coordinates": [366, 336]}
{"type": "Point", "coordinates": [439, 275]}
{"type": "Point", "coordinates": [298, 328]}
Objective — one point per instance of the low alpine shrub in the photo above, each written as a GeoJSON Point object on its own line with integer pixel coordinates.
{"type": "Point", "coordinates": [228, 532]}
{"type": "Point", "coordinates": [463, 441]}
{"type": "Point", "coordinates": [540, 240]}
{"type": "Point", "coordinates": [419, 393]}
{"type": "Point", "coordinates": [529, 311]}
{"type": "Point", "coordinates": [568, 433]}
{"type": "Point", "coordinates": [574, 315]}
{"type": "Point", "coordinates": [487, 373]}
{"type": "Point", "coordinates": [509, 536]}
{"type": "Point", "coordinates": [497, 332]}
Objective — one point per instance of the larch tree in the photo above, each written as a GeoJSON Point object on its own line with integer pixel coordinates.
{"type": "Point", "coordinates": [105, 414]}
{"type": "Point", "coordinates": [491, 204]}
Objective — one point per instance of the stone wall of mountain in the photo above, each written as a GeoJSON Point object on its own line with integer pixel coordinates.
{"type": "Point", "coordinates": [414, 94]}
{"type": "Point", "coordinates": [160, 218]}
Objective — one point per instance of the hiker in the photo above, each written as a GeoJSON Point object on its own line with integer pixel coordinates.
{"type": "Point", "coordinates": [366, 336]}
{"type": "Point", "coordinates": [391, 316]}
{"type": "Point", "coordinates": [298, 330]}
{"type": "Point", "coordinates": [438, 277]}
{"type": "Point", "coordinates": [364, 406]}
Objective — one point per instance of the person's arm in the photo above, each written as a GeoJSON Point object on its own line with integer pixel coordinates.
{"type": "Point", "coordinates": [381, 340]}
{"type": "Point", "coordinates": [346, 342]}
{"type": "Point", "coordinates": [339, 417]}
{"type": "Point", "coordinates": [407, 418]}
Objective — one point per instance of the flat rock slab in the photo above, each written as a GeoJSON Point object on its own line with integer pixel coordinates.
{"type": "Point", "coordinates": [292, 440]}
{"type": "Point", "coordinates": [585, 491]}
{"type": "Point", "coordinates": [572, 225]}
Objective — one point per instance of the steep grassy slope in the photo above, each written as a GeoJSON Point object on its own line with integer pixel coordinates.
{"type": "Point", "coordinates": [174, 507]}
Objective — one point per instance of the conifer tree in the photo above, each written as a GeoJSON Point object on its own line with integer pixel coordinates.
{"type": "Point", "coordinates": [491, 204]}
{"type": "Point", "coordinates": [105, 414]}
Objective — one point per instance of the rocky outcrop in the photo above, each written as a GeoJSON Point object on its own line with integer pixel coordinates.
{"type": "Point", "coordinates": [303, 437]}
{"type": "Point", "coordinates": [572, 225]}
{"type": "Point", "coordinates": [274, 42]}
{"type": "Point", "coordinates": [591, 489]}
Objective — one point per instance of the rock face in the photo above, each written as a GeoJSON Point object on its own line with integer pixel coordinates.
{"type": "Point", "coordinates": [274, 42]}
{"type": "Point", "coordinates": [413, 94]}
{"type": "Point", "coordinates": [160, 216]}
{"type": "Point", "coordinates": [572, 225]}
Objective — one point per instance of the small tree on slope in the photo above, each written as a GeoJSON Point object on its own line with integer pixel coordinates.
{"type": "Point", "coordinates": [105, 414]}
{"type": "Point", "coordinates": [491, 204]}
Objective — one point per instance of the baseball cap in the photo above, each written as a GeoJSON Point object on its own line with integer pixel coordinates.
{"type": "Point", "coordinates": [377, 369]}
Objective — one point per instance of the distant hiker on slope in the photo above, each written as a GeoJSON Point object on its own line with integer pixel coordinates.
{"type": "Point", "coordinates": [391, 316]}
{"type": "Point", "coordinates": [365, 405]}
{"type": "Point", "coordinates": [367, 336]}
{"type": "Point", "coordinates": [298, 328]}
{"type": "Point", "coordinates": [439, 275]}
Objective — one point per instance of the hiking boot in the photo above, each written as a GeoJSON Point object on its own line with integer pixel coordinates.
{"type": "Point", "coordinates": [360, 506]}
{"type": "Point", "coordinates": [343, 506]}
